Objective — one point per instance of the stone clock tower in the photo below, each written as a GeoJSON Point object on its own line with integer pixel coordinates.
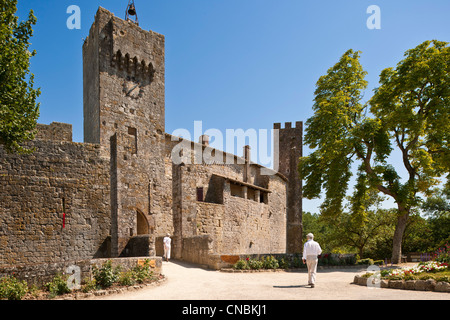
{"type": "Point", "coordinates": [123, 78]}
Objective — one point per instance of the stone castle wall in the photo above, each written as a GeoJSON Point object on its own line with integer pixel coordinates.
{"type": "Point", "coordinates": [231, 216]}
{"type": "Point", "coordinates": [122, 190]}
{"type": "Point", "coordinates": [37, 189]}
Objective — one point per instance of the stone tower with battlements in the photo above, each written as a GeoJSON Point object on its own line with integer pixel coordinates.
{"type": "Point", "coordinates": [290, 150]}
{"type": "Point", "coordinates": [123, 78]}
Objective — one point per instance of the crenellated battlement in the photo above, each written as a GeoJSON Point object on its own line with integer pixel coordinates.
{"type": "Point", "coordinates": [288, 125]}
{"type": "Point", "coordinates": [132, 65]}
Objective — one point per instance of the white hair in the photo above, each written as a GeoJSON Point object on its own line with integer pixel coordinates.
{"type": "Point", "coordinates": [310, 236]}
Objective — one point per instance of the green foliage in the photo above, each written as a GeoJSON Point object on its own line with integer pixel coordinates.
{"type": "Point", "coordinates": [409, 111]}
{"type": "Point", "coordinates": [241, 265]}
{"type": "Point", "coordinates": [142, 273]}
{"type": "Point", "coordinates": [336, 106]}
{"type": "Point", "coordinates": [57, 286]}
{"type": "Point", "coordinates": [444, 278]}
{"type": "Point", "coordinates": [127, 278]}
{"type": "Point", "coordinates": [270, 262]}
{"type": "Point", "coordinates": [106, 275]}
{"type": "Point", "coordinates": [267, 262]}
{"type": "Point", "coordinates": [12, 288]}
{"type": "Point", "coordinates": [18, 108]}
{"type": "Point", "coordinates": [89, 285]}
{"type": "Point", "coordinates": [254, 264]}
{"type": "Point", "coordinates": [412, 102]}
{"type": "Point", "coordinates": [366, 261]}
{"type": "Point", "coordinates": [283, 263]}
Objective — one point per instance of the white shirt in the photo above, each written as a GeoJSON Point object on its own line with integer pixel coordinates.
{"type": "Point", "coordinates": [167, 241]}
{"type": "Point", "coordinates": [311, 248]}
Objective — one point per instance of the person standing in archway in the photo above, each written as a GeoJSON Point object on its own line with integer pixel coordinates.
{"type": "Point", "coordinates": [311, 250]}
{"type": "Point", "coordinates": [167, 245]}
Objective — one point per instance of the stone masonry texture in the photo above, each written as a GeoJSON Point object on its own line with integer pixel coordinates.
{"type": "Point", "coordinates": [121, 191]}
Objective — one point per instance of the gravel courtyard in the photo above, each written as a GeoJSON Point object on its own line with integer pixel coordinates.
{"type": "Point", "coordinates": [189, 282]}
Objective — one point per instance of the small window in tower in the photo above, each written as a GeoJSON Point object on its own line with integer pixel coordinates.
{"type": "Point", "coordinates": [263, 198]}
{"type": "Point", "coordinates": [132, 141]}
{"type": "Point", "coordinates": [200, 194]}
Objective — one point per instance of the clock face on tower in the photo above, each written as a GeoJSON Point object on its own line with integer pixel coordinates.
{"type": "Point", "coordinates": [132, 88]}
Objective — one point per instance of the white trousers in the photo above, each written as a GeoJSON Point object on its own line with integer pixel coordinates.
{"type": "Point", "coordinates": [166, 252]}
{"type": "Point", "coordinates": [311, 263]}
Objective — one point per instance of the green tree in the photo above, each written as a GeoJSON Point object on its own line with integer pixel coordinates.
{"type": "Point", "coordinates": [409, 111]}
{"type": "Point", "coordinates": [359, 227]}
{"type": "Point", "coordinates": [18, 108]}
{"type": "Point", "coordinates": [413, 106]}
{"type": "Point", "coordinates": [437, 209]}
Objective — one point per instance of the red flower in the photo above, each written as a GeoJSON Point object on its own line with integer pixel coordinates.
{"type": "Point", "coordinates": [247, 259]}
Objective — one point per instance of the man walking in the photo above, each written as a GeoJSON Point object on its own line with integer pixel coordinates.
{"type": "Point", "coordinates": [311, 250]}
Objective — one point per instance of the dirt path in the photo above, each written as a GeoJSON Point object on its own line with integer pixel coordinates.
{"type": "Point", "coordinates": [188, 282]}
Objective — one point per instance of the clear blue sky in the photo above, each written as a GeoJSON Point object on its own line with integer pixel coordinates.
{"type": "Point", "coordinates": [233, 63]}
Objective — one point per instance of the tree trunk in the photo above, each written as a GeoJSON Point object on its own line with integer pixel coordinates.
{"type": "Point", "coordinates": [398, 236]}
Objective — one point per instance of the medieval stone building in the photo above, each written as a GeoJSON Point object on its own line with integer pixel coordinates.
{"type": "Point", "coordinates": [118, 193]}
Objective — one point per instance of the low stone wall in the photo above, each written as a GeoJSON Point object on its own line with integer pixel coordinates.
{"type": "Point", "coordinates": [419, 285]}
{"type": "Point", "coordinates": [39, 274]}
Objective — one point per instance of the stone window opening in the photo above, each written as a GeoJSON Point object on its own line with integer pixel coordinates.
{"type": "Point", "coordinates": [263, 198]}
{"type": "Point", "coordinates": [200, 197]}
{"type": "Point", "coordinates": [251, 193]}
{"type": "Point", "coordinates": [132, 143]}
{"type": "Point", "coordinates": [236, 190]}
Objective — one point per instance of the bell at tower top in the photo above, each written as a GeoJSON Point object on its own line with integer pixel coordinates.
{"type": "Point", "coordinates": [131, 12]}
{"type": "Point", "coordinates": [123, 77]}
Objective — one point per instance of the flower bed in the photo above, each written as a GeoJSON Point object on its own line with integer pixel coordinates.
{"type": "Point", "coordinates": [409, 273]}
{"type": "Point", "coordinates": [425, 276]}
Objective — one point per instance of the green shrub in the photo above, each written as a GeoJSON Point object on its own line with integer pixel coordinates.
{"type": "Point", "coordinates": [410, 277]}
{"type": "Point", "coordinates": [12, 288]}
{"type": "Point", "coordinates": [106, 275]}
{"type": "Point", "coordinates": [366, 261]}
{"type": "Point", "coordinates": [255, 264]}
{"type": "Point", "coordinates": [89, 285]}
{"type": "Point", "coordinates": [283, 263]}
{"type": "Point", "coordinates": [142, 273]}
{"type": "Point", "coordinates": [384, 272]}
{"type": "Point", "coordinates": [426, 276]}
{"type": "Point", "coordinates": [367, 274]}
{"type": "Point", "coordinates": [58, 286]}
{"type": "Point", "coordinates": [270, 262]}
{"type": "Point", "coordinates": [127, 278]}
{"type": "Point", "coordinates": [241, 265]}
{"type": "Point", "coordinates": [297, 262]}
{"type": "Point", "coordinates": [443, 278]}
{"type": "Point", "coordinates": [395, 277]}
{"type": "Point", "coordinates": [378, 262]}
{"type": "Point", "coordinates": [350, 260]}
